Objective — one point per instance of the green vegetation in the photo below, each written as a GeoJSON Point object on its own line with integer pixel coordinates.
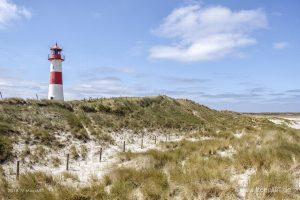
{"type": "Point", "coordinates": [55, 161]}
{"type": "Point", "coordinates": [83, 151]}
{"type": "Point", "coordinates": [273, 184]}
{"type": "Point", "coordinates": [153, 183]}
{"type": "Point", "coordinates": [74, 152]}
{"type": "Point", "coordinates": [5, 128]}
{"type": "Point", "coordinates": [196, 168]}
{"type": "Point", "coordinates": [117, 113]}
{"type": "Point", "coordinates": [41, 120]}
{"type": "Point", "coordinates": [5, 148]}
{"type": "Point", "coordinates": [183, 170]}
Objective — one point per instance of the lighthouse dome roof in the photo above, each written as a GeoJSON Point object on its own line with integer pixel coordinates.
{"type": "Point", "coordinates": [56, 46]}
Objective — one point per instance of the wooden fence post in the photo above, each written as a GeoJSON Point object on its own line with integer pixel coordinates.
{"type": "Point", "coordinates": [142, 141]}
{"type": "Point", "coordinates": [37, 97]}
{"type": "Point", "coordinates": [100, 158]}
{"type": "Point", "coordinates": [154, 139]}
{"type": "Point", "coordinates": [124, 146]}
{"type": "Point", "coordinates": [1, 95]}
{"type": "Point", "coordinates": [67, 166]}
{"type": "Point", "coordinates": [18, 170]}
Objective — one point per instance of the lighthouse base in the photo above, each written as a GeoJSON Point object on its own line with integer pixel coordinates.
{"type": "Point", "coordinates": [56, 92]}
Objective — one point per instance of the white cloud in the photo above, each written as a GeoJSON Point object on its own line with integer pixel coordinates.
{"type": "Point", "coordinates": [207, 33]}
{"type": "Point", "coordinates": [16, 87]}
{"type": "Point", "coordinates": [280, 45]}
{"type": "Point", "coordinates": [10, 12]}
{"type": "Point", "coordinates": [99, 87]}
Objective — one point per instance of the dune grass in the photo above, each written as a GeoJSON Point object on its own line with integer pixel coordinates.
{"type": "Point", "coordinates": [183, 169]}
{"type": "Point", "coordinates": [271, 185]}
{"type": "Point", "coordinates": [41, 120]}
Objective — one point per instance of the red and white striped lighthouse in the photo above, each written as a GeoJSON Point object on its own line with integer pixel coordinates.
{"type": "Point", "coordinates": [56, 82]}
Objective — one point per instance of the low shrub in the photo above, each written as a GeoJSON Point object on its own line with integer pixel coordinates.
{"type": "Point", "coordinates": [74, 153]}
{"type": "Point", "coordinates": [88, 109]}
{"type": "Point", "coordinates": [5, 128]}
{"type": "Point", "coordinates": [104, 137]}
{"type": "Point", "coordinates": [83, 151]}
{"type": "Point", "coordinates": [43, 136]}
{"type": "Point", "coordinates": [55, 161]}
{"type": "Point", "coordinates": [6, 148]}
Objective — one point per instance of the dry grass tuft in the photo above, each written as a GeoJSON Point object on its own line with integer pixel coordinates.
{"type": "Point", "coordinates": [271, 185]}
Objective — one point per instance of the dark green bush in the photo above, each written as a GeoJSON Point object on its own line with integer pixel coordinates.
{"type": "Point", "coordinates": [5, 128]}
{"type": "Point", "coordinates": [58, 104]}
{"type": "Point", "coordinates": [103, 108]}
{"type": "Point", "coordinates": [5, 148]}
{"type": "Point", "coordinates": [88, 109]}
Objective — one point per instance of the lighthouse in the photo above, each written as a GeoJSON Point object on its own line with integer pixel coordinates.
{"type": "Point", "coordinates": [56, 82]}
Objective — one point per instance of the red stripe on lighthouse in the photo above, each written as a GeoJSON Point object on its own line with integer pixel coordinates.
{"type": "Point", "coordinates": [56, 78]}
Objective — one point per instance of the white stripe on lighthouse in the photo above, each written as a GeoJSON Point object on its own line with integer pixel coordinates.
{"type": "Point", "coordinates": [56, 92]}
{"type": "Point", "coordinates": [55, 66]}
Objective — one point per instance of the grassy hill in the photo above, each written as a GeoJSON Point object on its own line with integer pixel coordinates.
{"type": "Point", "coordinates": [223, 154]}
{"type": "Point", "coordinates": [42, 119]}
{"type": "Point", "coordinates": [116, 113]}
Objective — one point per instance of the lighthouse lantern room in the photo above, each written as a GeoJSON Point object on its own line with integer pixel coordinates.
{"type": "Point", "coordinates": [56, 81]}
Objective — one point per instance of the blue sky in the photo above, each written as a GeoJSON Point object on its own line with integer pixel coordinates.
{"type": "Point", "coordinates": [233, 55]}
